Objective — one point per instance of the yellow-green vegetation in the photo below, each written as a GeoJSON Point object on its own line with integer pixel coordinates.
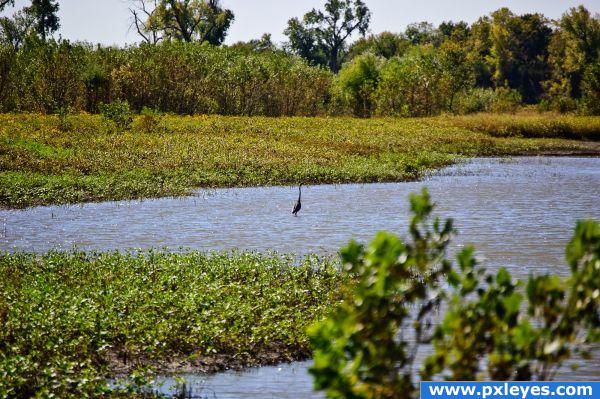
{"type": "Point", "coordinates": [70, 319]}
{"type": "Point", "coordinates": [76, 158]}
{"type": "Point", "coordinates": [532, 125]}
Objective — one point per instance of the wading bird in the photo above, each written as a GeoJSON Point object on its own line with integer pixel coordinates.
{"type": "Point", "coordinates": [298, 205]}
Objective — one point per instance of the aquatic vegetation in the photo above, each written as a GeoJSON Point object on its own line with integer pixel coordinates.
{"type": "Point", "coordinates": [70, 319]}
{"type": "Point", "coordinates": [77, 158]}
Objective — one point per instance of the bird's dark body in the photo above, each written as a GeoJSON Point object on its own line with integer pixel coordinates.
{"type": "Point", "coordinates": [297, 208]}
{"type": "Point", "coordinates": [298, 205]}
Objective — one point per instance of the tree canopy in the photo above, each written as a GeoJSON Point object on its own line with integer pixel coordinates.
{"type": "Point", "coordinates": [322, 35]}
{"type": "Point", "coordinates": [185, 20]}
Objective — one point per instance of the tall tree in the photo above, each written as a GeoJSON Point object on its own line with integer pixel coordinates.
{"type": "Point", "coordinates": [45, 14]}
{"type": "Point", "coordinates": [321, 36]}
{"type": "Point", "coordinates": [519, 52]}
{"type": "Point", "coordinates": [13, 31]}
{"type": "Point", "coordinates": [479, 44]}
{"type": "Point", "coordinates": [384, 44]}
{"type": "Point", "coordinates": [194, 20]}
{"type": "Point", "coordinates": [421, 33]}
{"type": "Point", "coordinates": [186, 20]}
{"type": "Point", "coordinates": [455, 31]}
{"type": "Point", "coordinates": [575, 45]}
{"type": "Point", "coordinates": [149, 29]}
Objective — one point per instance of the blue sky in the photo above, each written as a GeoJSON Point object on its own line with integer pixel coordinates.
{"type": "Point", "coordinates": [108, 21]}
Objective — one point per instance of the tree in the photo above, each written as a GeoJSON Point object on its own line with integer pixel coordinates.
{"type": "Point", "coordinates": [13, 31]}
{"type": "Point", "coordinates": [45, 14]}
{"type": "Point", "coordinates": [421, 33]}
{"type": "Point", "coordinates": [575, 45]}
{"type": "Point", "coordinates": [186, 20]}
{"type": "Point", "coordinates": [358, 81]}
{"type": "Point", "coordinates": [519, 52]}
{"type": "Point", "coordinates": [321, 36]}
{"type": "Point", "coordinates": [264, 44]}
{"type": "Point", "coordinates": [147, 27]}
{"type": "Point", "coordinates": [457, 68]}
{"type": "Point", "coordinates": [455, 31]}
{"type": "Point", "coordinates": [479, 45]}
{"type": "Point", "coordinates": [385, 44]}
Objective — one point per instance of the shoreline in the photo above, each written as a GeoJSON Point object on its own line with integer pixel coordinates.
{"type": "Point", "coordinates": [592, 152]}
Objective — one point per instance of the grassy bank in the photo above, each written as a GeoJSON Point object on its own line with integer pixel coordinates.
{"type": "Point", "coordinates": [70, 319]}
{"type": "Point", "coordinates": [52, 160]}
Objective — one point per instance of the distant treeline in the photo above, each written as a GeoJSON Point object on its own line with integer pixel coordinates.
{"type": "Point", "coordinates": [498, 63]}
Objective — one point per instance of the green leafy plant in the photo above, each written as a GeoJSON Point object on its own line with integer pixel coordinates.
{"type": "Point", "coordinates": [367, 347]}
{"type": "Point", "coordinates": [148, 121]}
{"type": "Point", "coordinates": [358, 353]}
{"type": "Point", "coordinates": [117, 112]}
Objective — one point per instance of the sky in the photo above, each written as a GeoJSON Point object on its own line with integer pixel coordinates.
{"type": "Point", "coordinates": [108, 21]}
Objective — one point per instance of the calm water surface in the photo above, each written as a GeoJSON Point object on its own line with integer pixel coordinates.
{"type": "Point", "coordinates": [518, 212]}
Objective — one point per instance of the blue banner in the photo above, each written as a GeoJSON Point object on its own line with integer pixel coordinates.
{"type": "Point", "coordinates": [510, 390]}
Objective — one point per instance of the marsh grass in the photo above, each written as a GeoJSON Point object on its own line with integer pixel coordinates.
{"type": "Point", "coordinates": [42, 163]}
{"type": "Point", "coordinates": [70, 319]}
{"type": "Point", "coordinates": [532, 125]}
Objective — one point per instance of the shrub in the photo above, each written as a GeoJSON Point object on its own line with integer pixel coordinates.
{"type": "Point", "coordinates": [488, 100]}
{"type": "Point", "coordinates": [368, 346]}
{"type": "Point", "coordinates": [358, 81]}
{"type": "Point", "coordinates": [148, 121]}
{"type": "Point", "coordinates": [506, 100]}
{"type": "Point", "coordinates": [117, 112]}
{"type": "Point", "coordinates": [412, 85]}
{"type": "Point", "coordinates": [63, 119]}
{"type": "Point", "coordinates": [590, 87]}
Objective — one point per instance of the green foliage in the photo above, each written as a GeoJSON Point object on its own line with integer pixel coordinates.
{"type": "Point", "coordinates": [119, 113]}
{"type": "Point", "coordinates": [358, 83]}
{"type": "Point", "coordinates": [149, 121]}
{"type": "Point", "coordinates": [574, 49]}
{"type": "Point", "coordinates": [70, 319]}
{"type": "Point", "coordinates": [204, 21]}
{"type": "Point", "coordinates": [385, 44]}
{"type": "Point", "coordinates": [519, 52]}
{"type": "Point", "coordinates": [321, 36]}
{"type": "Point", "coordinates": [15, 31]}
{"type": "Point", "coordinates": [500, 100]}
{"type": "Point", "coordinates": [186, 78]}
{"type": "Point", "coordinates": [590, 88]}
{"type": "Point", "coordinates": [427, 70]}
{"type": "Point", "coordinates": [357, 350]}
{"type": "Point", "coordinates": [44, 13]}
{"type": "Point", "coordinates": [518, 330]}
{"type": "Point", "coordinates": [414, 85]}
{"type": "Point", "coordinates": [520, 335]}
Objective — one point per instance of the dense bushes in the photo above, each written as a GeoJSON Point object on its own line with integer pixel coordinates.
{"type": "Point", "coordinates": [191, 78]}
{"type": "Point", "coordinates": [185, 78]}
{"type": "Point", "coordinates": [425, 81]}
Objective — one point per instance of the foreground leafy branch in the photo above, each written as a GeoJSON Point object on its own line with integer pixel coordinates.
{"type": "Point", "coordinates": [367, 347]}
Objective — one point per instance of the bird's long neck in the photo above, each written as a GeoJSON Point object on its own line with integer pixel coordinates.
{"type": "Point", "coordinates": [299, 193]}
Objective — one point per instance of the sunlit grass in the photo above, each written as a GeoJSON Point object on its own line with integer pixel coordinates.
{"type": "Point", "coordinates": [44, 160]}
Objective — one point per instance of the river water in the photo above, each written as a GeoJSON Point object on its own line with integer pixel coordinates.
{"type": "Point", "coordinates": [519, 213]}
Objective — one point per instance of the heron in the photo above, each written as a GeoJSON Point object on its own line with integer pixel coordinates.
{"type": "Point", "coordinates": [298, 205]}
